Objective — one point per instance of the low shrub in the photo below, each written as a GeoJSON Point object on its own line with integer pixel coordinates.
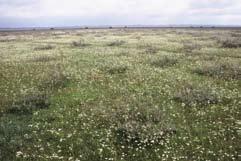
{"type": "Point", "coordinates": [7, 39]}
{"type": "Point", "coordinates": [32, 100]}
{"type": "Point", "coordinates": [55, 78]}
{"type": "Point", "coordinates": [236, 34]}
{"type": "Point", "coordinates": [191, 95]}
{"type": "Point", "coordinates": [11, 137]}
{"type": "Point", "coordinates": [44, 47]}
{"type": "Point", "coordinates": [148, 49]}
{"type": "Point", "coordinates": [223, 70]}
{"type": "Point", "coordinates": [165, 61]}
{"type": "Point", "coordinates": [80, 43]}
{"type": "Point", "coordinates": [117, 69]}
{"type": "Point", "coordinates": [233, 42]}
{"type": "Point", "coordinates": [116, 43]}
{"type": "Point", "coordinates": [123, 53]}
{"type": "Point", "coordinates": [141, 127]}
{"type": "Point", "coordinates": [43, 58]}
{"type": "Point", "coordinates": [190, 46]}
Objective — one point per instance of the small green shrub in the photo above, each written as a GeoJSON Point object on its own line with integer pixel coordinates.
{"type": "Point", "coordinates": [7, 39]}
{"type": "Point", "coordinates": [151, 50]}
{"type": "Point", "coordinates": [141, 127]}
{"type": "Point", "coordinates": [116, 43]}
{"type": "Point", "coordinates": [12, 133]}
{"type": "Point", "coordinates": [165, 61]}
{"type": "Point", "coordinates": [44, 47]}
{"type": "Point", "coordinates": [236, 34]}
{"type": "Point", "coordinates": [123, 53]}
{"type": "Point", "coordinates": [233, 42]}
{"type": "Point", "coordinates": [55, 78]}
{"type": "Point", "coordinates": [223, 70]}
{"type": "Point", "coordinates": [43, 58]}
{"type": "Point", "coordinates": [190, 46]}
{"type": "Point", "coordinates": [80, 43]}
{"type": "Point", "coordinates": [117, 70]}
{"type": "Point", "coordinates": [33, 100]}
{"type": "Point", "coordinates": [191, 95]}
{"type": "Point", "coordinates": [148, 49]}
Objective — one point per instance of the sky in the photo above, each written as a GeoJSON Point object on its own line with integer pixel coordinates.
{"type": "Point", "coordinates": [46, 13]}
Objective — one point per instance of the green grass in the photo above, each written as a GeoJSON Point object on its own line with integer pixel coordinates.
{"type": "Point", "coordinates": [133, 95]}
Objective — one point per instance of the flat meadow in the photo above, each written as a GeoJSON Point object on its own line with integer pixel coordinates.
{"type": "Point", "coordinates": [120, 94]}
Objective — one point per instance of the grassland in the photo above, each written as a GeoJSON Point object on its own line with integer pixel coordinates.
{"type": "Point", "coordinates": [120, 94]}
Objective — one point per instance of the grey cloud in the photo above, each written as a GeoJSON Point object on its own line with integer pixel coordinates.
{"type": "Point", "coordinates": [212, 4]}
{"type": "Point", "coordinates": [17, 3]}
{"type": "Point", "coordinates": [21, 13]}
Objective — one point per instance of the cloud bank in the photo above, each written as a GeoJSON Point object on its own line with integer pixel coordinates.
{"type": "Point", "coordinates": [23, 13]}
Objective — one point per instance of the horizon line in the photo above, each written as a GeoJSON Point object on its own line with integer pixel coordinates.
{"type": "Point", "coordinates": [123, 26]}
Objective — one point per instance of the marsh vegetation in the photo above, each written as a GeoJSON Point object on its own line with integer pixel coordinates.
{"type": "Point", "coordinates": [133, 95]}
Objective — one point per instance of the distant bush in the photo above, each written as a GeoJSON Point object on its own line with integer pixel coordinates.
{"type": "Point", "coordinates": [4, 34]}
{"type": "Point", "coordinates": [44, 47]}
{"type": "Point", "coordinates": [117, 69]}
{"type": "Point", "coordinates": [54, 79]}
{"type": "Point", "coordinates": [43, 58]}
{"type": "Point", "coordinates": [141, 127]}
{"type": "Point", "coordinates": [164, 61]}
{"type": "Point", "coordinates": [116, 43]}
{"type": "Point", "coordinates": [7, 39]}
{"type": "Point", "coordinates": [123, 53]}
{"type": "Point", "coordinates": [192, 95]}
{"type": "Point", "coordinates": [80, 43]}
{"type": "Point", "coordinates": [236, 34]}
{"type": "Point", "coordinates": [231, 42]}
{"type": "Point", "coordinates": [32, 100]}
{"type": "Point", "coordinates": [151, 50]}
{"type": "Point", "coordinates": [138, 37]}
{"type": "Point", "coordinates": [223, 70]}
{"type": "Point", "coordinates": [190, 46]}
{"type": "Point", "coordinates": [148, 49]}
{"type": "Point", "coordinates": [11, 137]}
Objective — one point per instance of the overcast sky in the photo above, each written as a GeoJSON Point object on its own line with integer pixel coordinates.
{"type": "Point", "coordinates": [36, 13]}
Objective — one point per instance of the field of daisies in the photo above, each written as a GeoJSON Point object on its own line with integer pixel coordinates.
{"type": "Point", "coordinates": [120, 94]}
